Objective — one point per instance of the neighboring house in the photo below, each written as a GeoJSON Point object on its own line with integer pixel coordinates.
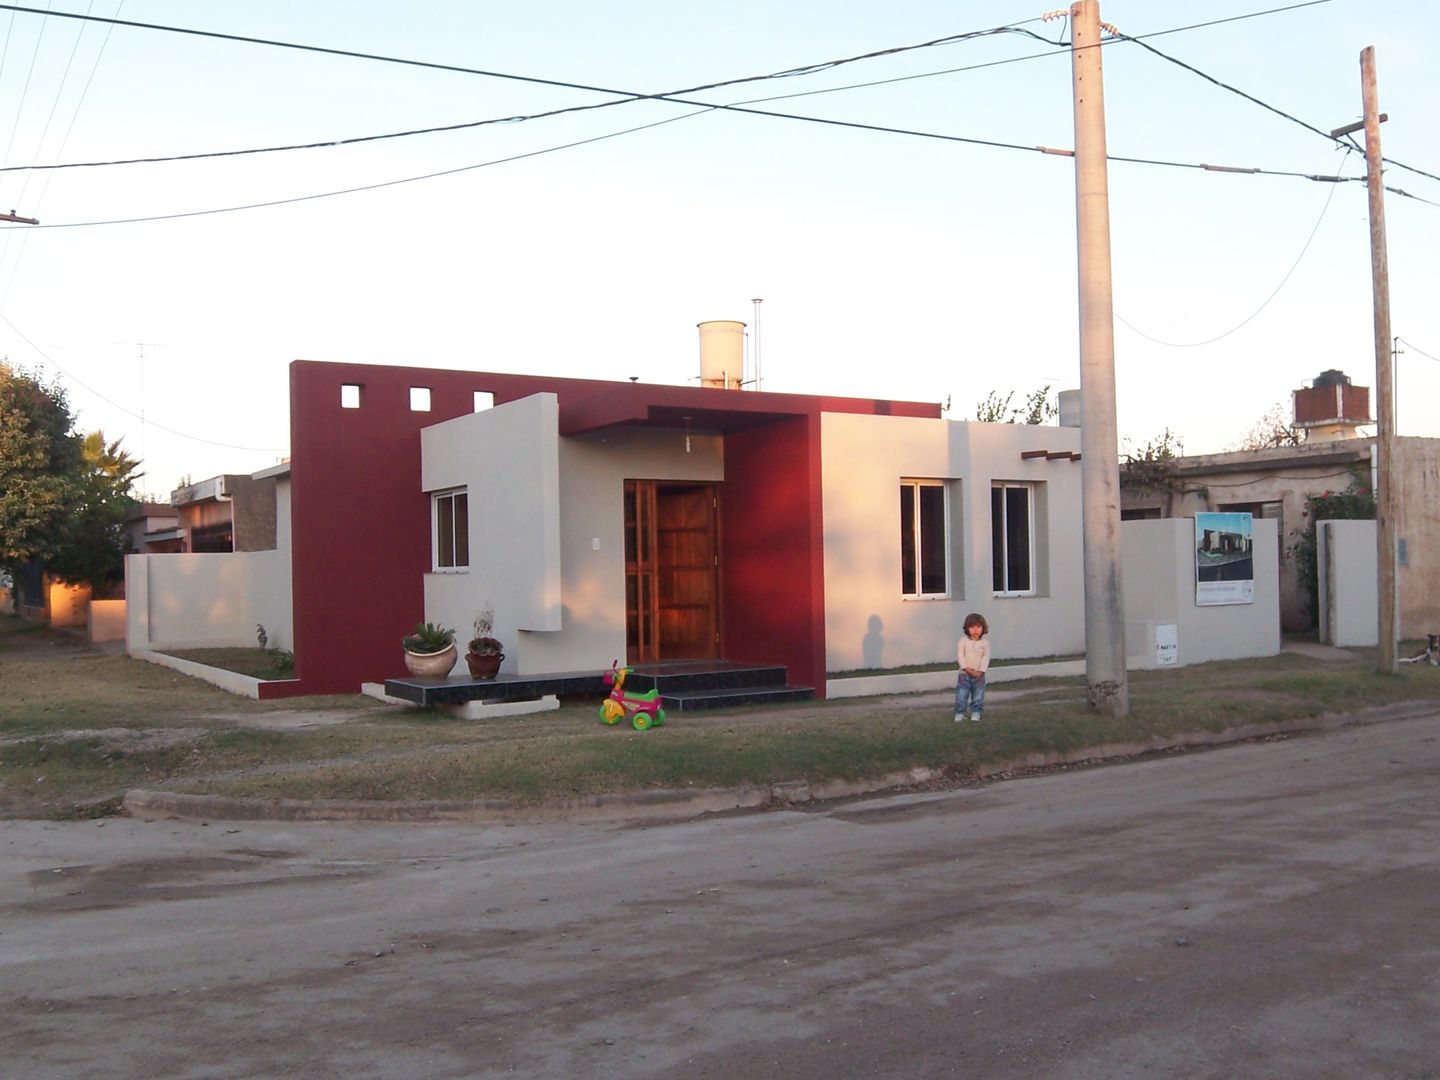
{"type": "Point", "coordinates": [152, 527]}
{"type": "Point", "coordinates": [234, 512]}
{"type": "Point", "coordinates": [1277, 483]}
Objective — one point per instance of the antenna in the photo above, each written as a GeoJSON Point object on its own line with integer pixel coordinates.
{"type": "Point", "coordinates": [142, 346]}
{"type": "Point", "coordinates": [757, 301]}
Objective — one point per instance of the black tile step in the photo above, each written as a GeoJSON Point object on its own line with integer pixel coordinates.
{"type": "Point", "coordinates": [735, 697]}
{"type": "Point", "coordinates": [679, 678]}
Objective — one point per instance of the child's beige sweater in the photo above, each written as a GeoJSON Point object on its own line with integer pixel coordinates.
{"type": "Point", "coordinates": [974, 654]}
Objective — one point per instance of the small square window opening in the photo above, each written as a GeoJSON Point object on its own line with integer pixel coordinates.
{"type": "Point", "coordinates": [419, 399]}
{"type": "Point", "coordinates": [350, 394]}
{"type": "Point", "coordinates": [484, 399]}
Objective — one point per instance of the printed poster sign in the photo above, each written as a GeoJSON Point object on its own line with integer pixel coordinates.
{"type": "Point", "coordinates": [1224, 562]}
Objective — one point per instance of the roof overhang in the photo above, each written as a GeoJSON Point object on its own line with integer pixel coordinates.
{"type": "Point", "coordinates": [712, 409]}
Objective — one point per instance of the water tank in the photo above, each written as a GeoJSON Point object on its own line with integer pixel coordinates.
{"type": "Point", "coordinates": [1070, 411]}
{"type": "Point", "coordinates": [722, 353]}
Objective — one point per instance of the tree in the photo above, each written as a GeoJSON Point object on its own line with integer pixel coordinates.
{"type": "Point", "coordinates": [62, 498]}
{"type": "Point", "coordinates": [1273, 429]}
{"type": "Point", "coordinates": [1037, 408]}
{"type": "Point", "coordinates": [1151, 470]}
{"type": "Point", "coordinates": [41, 467]}
{"type": "Point", "coordinates": [94, 541]}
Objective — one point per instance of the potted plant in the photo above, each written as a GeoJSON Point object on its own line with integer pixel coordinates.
{"type": "Point", "coordinates": [429, 650]}
{"type": "Point", "coordinates": [484, 653]}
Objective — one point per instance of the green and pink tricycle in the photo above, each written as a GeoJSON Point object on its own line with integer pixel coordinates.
{"type": "Point", "coordinates": [644, 710]}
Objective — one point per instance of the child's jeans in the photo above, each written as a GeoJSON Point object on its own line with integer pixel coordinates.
{"type": "Point", "coordinates": [969, 695]}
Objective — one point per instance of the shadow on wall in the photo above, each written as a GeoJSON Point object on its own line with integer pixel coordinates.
{"type": "Point", "coordinates": [872, 645]}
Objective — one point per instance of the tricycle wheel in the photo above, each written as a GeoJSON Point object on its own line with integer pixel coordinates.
{"type": "Point", "coordinates": [608, 715]}
{"type": "Point", "coordinates": [641, 721]}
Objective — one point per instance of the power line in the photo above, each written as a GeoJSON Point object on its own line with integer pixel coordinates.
{"type": "Point", "coordinates": [1347, 142]}
{"type": "Point", "coordinates": [1266, 303]}
{"type": "Point", "coordinates": [625, 96]}
{"type": "Point", "coordinates": [1419, 350]}
{"type": "Point", "coordinates": [702, 107]}
{"type": "Point", "coordinates": [129, 412]}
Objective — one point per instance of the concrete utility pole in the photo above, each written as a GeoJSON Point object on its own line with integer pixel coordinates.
{"type": "Point", "coordinates": [1387, 499]}
{"type": "Point", "coordinates": [1099, 447]}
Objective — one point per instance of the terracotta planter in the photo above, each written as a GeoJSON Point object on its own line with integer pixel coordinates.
{"type": "Point", "coordinates": [435, 665]}
{"type": "Point", "coordinates": [484, 667]}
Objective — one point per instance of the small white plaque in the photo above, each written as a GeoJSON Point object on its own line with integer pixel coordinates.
{"type": "Point", "coordinates": [1167, 645]}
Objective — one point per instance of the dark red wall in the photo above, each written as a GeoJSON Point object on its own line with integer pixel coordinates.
{"type": "Point", "coordinates": [772, 571]}
{"type": "Point", "coordinates": [361, 524]}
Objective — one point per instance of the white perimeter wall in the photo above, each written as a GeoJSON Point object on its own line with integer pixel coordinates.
{"type": "Point", "coordinates": [1158, 578]}
{"type": "Point", "coordinates": [868, 621]}
{"type": "Point", "coordinates": [1348, 558]}
{"type": "Point", "coordinates": [202, 600]}
{"type": "Point", "coordinates": [547, 528]}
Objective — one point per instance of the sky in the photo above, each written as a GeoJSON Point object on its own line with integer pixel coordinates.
{"type": "Point", "coordinates": [589, 244]}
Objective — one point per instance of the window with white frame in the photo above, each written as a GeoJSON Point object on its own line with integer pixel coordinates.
{"type": "Point", "coordinates": [451, 530]}
{"type": "Point", "coordinates": [924, 538]}
{"type": "Point", "coordinates": [1012, 538]}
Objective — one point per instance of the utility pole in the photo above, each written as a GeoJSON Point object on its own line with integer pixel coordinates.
{"type": "Point", "coordinates": [1387, 500]}
{"type": "Point", "coordinates": [1108, 690]}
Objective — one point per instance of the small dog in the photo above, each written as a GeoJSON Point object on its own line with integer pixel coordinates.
{"type": "Point", "coordinates": [1431, 655]}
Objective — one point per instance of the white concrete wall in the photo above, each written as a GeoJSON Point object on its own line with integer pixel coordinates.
{"type": "Point", "coordinates": [868, 621]}
{"type": "Point", "coordinates": [107, 620]}
{"type": "Point", "coordinates": [203, 600]}
{"type": "Point", "coordinates": [547, 542]}
{"type": "Point", "coordinates": [1158, 577]}
{"type": "Point", "coordinates": [1349, 595]}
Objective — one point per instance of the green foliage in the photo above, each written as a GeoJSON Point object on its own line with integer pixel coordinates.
{"type": "Point", "coordinates": [428, 638]}
{"type": "Point", "coordinates": [1036, 409]}
{"type": "Point", "coordinates": [1355, 503]}
{"type": "Point", "coordinates": [41, 467]}
{"type": "Point", "coordinates": [62, 498]}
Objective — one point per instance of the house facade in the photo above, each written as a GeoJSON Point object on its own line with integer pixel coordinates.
{"type": "Point", "coordinates": [603, 520]}
{"type": "Point", "coordinates": [1278, 482]}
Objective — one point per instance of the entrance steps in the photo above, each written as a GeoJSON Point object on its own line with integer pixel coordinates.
{"type": "Point", "coordinates": [690, 685]}
{"type": "Point", "coordinates": [685, 686]}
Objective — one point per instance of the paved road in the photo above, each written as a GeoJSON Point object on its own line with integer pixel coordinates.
{"type": "Point", "coordinates": [1267, 910]}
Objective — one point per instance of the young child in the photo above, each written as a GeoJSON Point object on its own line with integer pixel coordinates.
{"type": "Point", "coordinates": [974, 658]}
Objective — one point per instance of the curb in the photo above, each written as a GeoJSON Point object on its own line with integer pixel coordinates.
{"type": "Point", "coordinates": [679, 803]}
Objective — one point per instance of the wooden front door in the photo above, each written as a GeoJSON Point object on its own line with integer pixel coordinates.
{"type": "Point", "coordinates": [672, 595]}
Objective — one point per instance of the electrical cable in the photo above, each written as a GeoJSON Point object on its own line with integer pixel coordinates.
{"type": "Point", "coordinates": [627, 97]}
{"type": "Point", "coordinates": [1346, 141]}
{"type": "Point", "coordinates": [1419, 350]}
{"type": "Point", "coordinates": [1293, 266]}
{"type": "Point", "coordinates": [128, 412]}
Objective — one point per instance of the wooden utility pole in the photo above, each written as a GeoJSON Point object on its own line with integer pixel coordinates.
{"type": "Point", "coordinates": [1099, 447]}
{"type": "Point", "coordinates": [1387, 499]}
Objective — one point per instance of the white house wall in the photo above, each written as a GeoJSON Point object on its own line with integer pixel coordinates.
{"type": "Point", "coordinates": [547, 539]}
{"type": "Point", "coordinates": [207, 600]}
{"type": "Point", "coordinates": [868, 621]}
{"type": "Point", "coordinates": [1158, 576]}
{"type": "Point", "coordinates": [507, 460]}
{"type": "Point", "coordinates": [1347, 558]}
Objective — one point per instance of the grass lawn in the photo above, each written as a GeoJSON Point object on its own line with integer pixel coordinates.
{"type": "Point", "coordinates": [79, 726]}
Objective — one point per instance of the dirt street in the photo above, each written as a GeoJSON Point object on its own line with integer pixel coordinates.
{"type": "Point", "coordinates": [1268, 910]}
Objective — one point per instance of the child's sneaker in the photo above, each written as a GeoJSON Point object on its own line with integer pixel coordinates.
{"type": "Point", "coordinates": [975, 717]}
{"type": "Point", "coordinates": [961, 716]}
